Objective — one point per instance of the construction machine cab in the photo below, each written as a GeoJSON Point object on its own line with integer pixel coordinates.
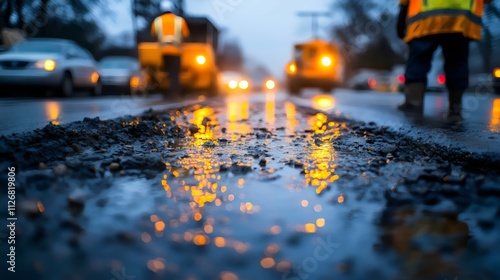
{"type": "Point", "coordinates": [199, 70]}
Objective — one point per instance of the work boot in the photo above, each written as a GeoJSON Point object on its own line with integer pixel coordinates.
{"type": "Point", "coordinates": [454, 115]}
{"type": "Point", "coordinates": [455, 102]}
{"type": "Point", "coordinates": [414, 98]}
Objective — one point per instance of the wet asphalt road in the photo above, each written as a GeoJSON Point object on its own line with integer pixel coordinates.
{"type": "Point", "coordinates": [481, 109]}
{"type": "Point", "coordinates": [260, 187]}
{"type": "Point", "coordinates": [480, 133]}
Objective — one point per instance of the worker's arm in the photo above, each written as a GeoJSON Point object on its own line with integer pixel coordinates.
{"type": "Point", "coordinates": [401, 24]}
{"type": "Point", "coordinates": [185, 29]}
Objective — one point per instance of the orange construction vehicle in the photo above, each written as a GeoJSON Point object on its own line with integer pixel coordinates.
{"type": "Point", "coordinates": [199, 70]}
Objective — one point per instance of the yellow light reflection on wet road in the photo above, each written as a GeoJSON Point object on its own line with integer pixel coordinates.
{"type": "Point", "coordinates": [270, 109]}
{"type": "Point", "coordinates": [323, 102]}
{"type": "Point", "coordinates": [319, 165]}
{"type": "Point", "coordinates": [495, 116]}
{"type": "Point", "coordinates": [52, 111]}
{"type": "Point", "coordinates": [202, 121]}
{"type": "Point", "coordinates": [291, 119]}
{"type": "Point", "coordinates": [238, 109]}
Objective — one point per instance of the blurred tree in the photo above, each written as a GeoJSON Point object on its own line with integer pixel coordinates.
{"type": "Point", "coordinates": [84, 32]}
{"type": "Point", "coordinates": [70, 19]}
{"type": "Point", "coordinates": [367, 35]}
{"type": "Point", "coordinates": [230, 57]}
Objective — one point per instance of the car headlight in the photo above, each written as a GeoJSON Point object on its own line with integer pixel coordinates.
{"type": "Point", "coordinates": [233, 84]}
{"type": "Point", "coordinates": [243, 84]}
{"type": "Point", "coordinates": [292, 68]}
{"type": "Point", "coordinates": [496, 72]}
{"type": "Point", "coordinates": [47, 65]}
{"type": "Point", "coordinates": [326, 61]}
{"type": "Point", "coordinates": [270, 84]}
{"type": "Point", "coordinates": [201, 59]}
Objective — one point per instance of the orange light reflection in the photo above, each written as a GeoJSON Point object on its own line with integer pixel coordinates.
{"type": "Point", "coordinates": [495, 116]}
{"type": "Point", "coordinates": [52, 110]}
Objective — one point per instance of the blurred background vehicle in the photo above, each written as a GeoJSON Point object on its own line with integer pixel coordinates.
{"type": "Point", "coordinates": [122, 74]}
{"type": "Point", "coordinates": [436, 79]}
{"type": "Point", "coordinates": [51, 64]}
{"type": "Point", "coordinates": [262, 82]}
{"type": "Point", "coordinates": [198, 64]}
{"type": "Point", "coordinates": [480, 82]}
{"type": "Point", "coordinates": [496, 79]}
{"type": "Point", "coordinates": [316, 64]}
{"type": "Point", "coordinates": [232, 81]}
{"type": "Point", "coordinates": [398, 78]}
{"type": "Point", "coordinates": [371, 79]}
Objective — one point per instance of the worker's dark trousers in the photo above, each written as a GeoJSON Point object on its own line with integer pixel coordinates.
{"type": "Point", "coordinates": [455, 49]}
{"type": "Point", "coordinates": [173, 68]}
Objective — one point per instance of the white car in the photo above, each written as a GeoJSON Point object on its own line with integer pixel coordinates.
{"type": "Point", "coordinates": [51, 64]}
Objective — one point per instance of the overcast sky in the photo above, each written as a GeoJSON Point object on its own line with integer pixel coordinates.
{"type": "Point", "coordinates": [265, 29]}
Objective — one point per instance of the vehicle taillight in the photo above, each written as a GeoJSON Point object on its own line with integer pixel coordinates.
{"type": "Point", "coordinates": [401, 79]}
{"type": "Point", "coordinates": [372, 82]}
{"type": "Point", "coordinates": [134, 82]}
{"type": "Point", "coordinates": [95, 77]}
{"type": "Point", "coordinates": [441, 79]}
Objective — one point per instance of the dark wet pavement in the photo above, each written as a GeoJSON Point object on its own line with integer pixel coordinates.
{"type": "Point", "coordinates": [480, 132]}
{"type": "Point", "coordinates": [260, 188]}
{"type": "Point", "coordinates": [24, 115]}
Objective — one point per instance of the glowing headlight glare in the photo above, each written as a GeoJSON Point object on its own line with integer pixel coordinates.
{"type": "Point", "coordinates": [292, 68]}
{"type": "Point", "coordinates": [270, 84]}
{"type": "Point", "coordinates": [243, 84]}
{"type": "Point", "coordinates": [233, 84]}
{"type": "Point", "coordinates": [326, 61]}
{"type": "Point", "coordinates": [496, 72]}
{"type": "Point", "coordinates": [47, 65]}
{"type": "Point", "coordinates": [134, 82]}
{"type": "Point", "coordinates": [201, 59]}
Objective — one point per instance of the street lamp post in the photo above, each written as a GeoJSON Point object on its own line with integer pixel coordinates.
{"type": "Point", "coordinates": [314, 17]}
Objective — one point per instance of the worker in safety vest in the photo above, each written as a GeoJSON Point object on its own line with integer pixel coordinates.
{"type": "Point", "coordinates": [427, 24]}
{"type": "Point", "coordinates": [170, 30]}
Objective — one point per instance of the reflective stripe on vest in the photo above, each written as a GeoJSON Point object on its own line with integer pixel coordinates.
{"type": "Point", "coordinates": [427, 17]}
{"type": "Point", "coordinates": [171, 39]}
{"type": "Point", "coordinates": [447, 4]}
{"type": "Point", "coordinates": [445, 12]}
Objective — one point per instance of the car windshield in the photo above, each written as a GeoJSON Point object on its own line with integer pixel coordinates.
{"type": "Point", "coordinates": [38, 46]}
{"type": "Point", "coordinates": [115, 64]}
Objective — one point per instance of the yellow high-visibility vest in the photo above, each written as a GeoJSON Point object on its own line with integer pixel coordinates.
{"type": "Point", "coordinates": [428, 17]}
